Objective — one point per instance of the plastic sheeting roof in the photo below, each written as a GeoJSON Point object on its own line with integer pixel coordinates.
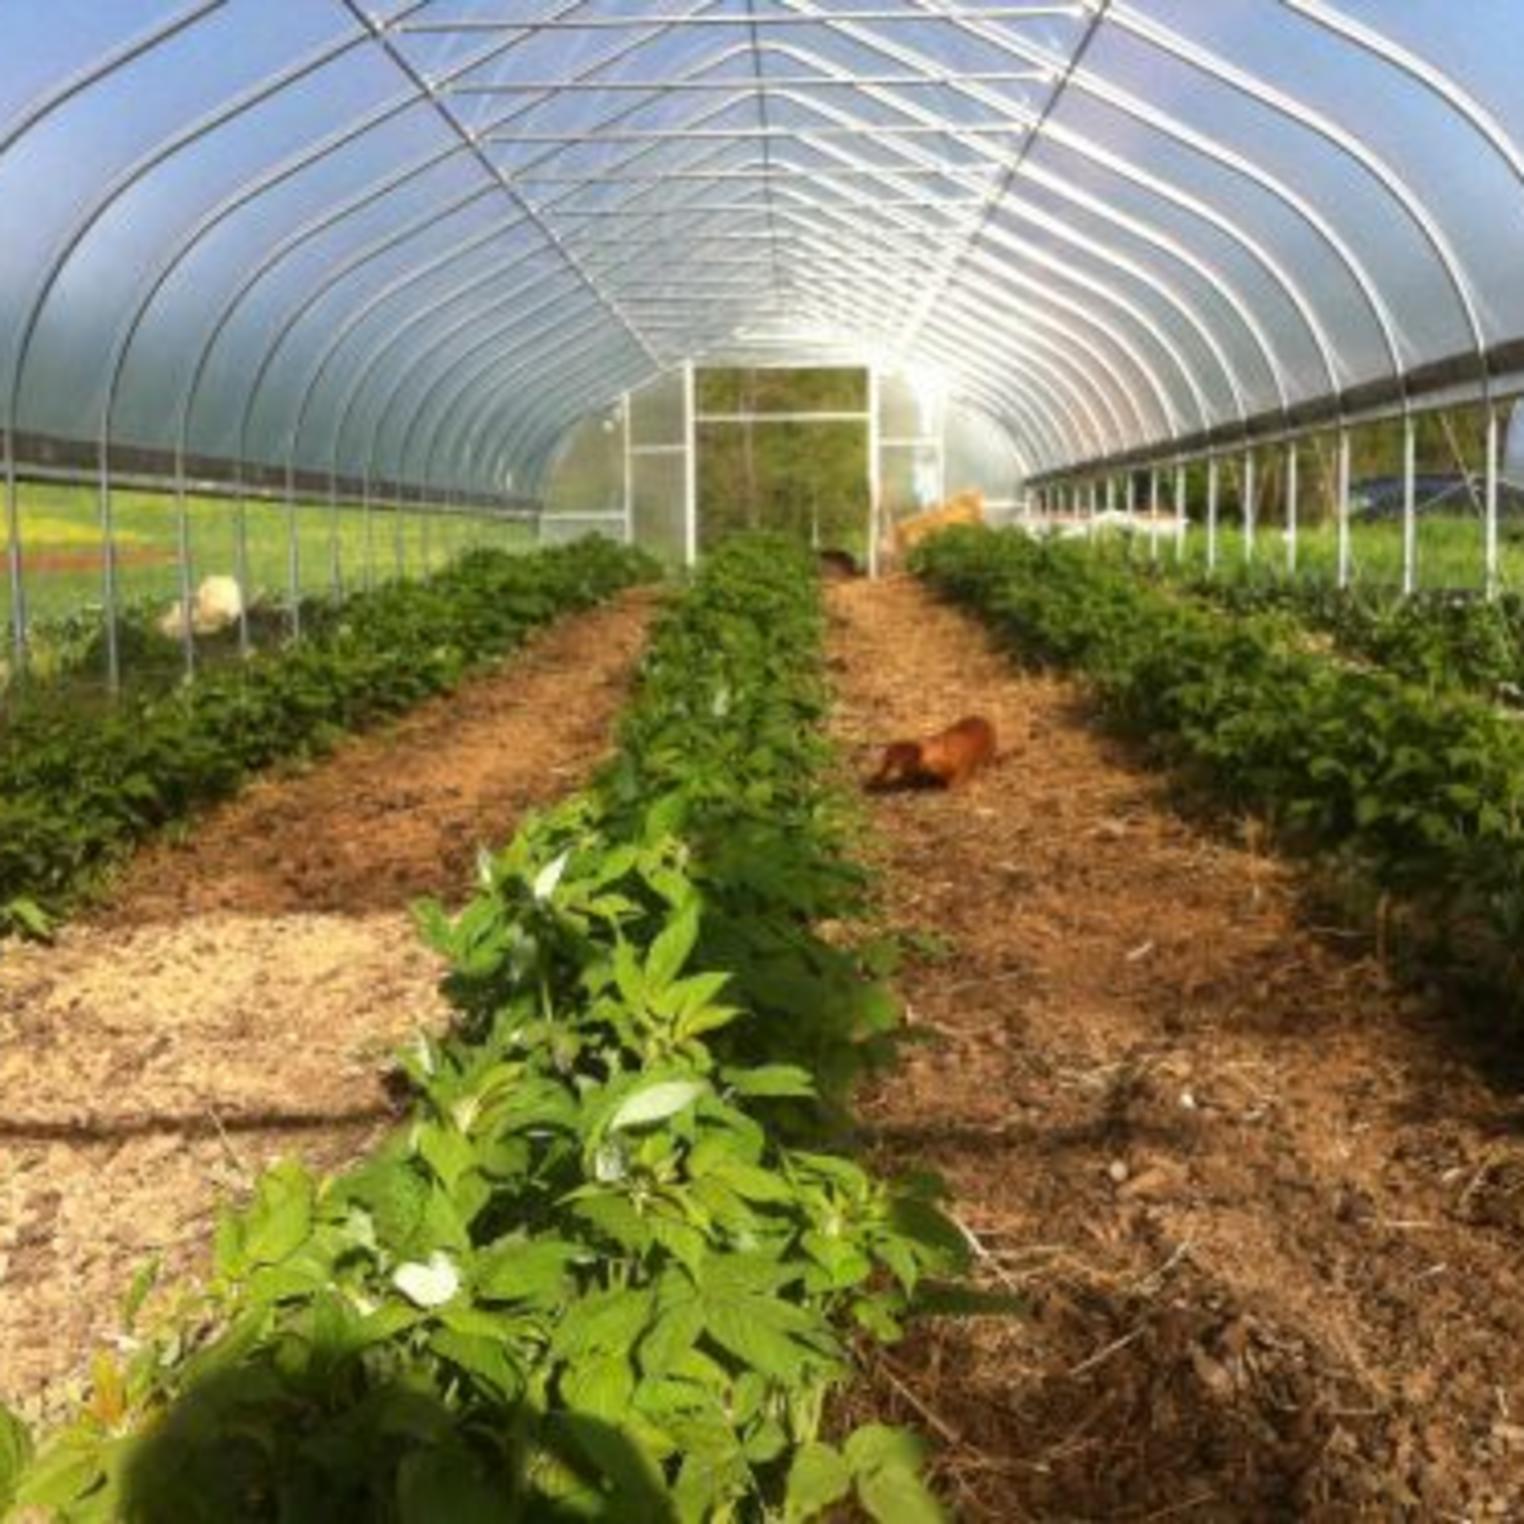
{"type": "Point", "coordinates": [419, 238]}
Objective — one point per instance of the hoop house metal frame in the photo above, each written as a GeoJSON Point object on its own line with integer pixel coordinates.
{"type": "Point", "coordinates": [407, 244]}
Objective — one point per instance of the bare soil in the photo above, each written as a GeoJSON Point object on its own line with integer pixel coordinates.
{"type": "Point", "coordinates": [43, 559]}
{"type": "Point", "coordinates": [1267, 1213]}
{"type": "Point", "coordinates": [237, 997]}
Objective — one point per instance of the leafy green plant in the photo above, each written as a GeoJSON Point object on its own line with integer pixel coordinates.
{"type": "Point", "coordinates": [612, 1262]}
{"type": "Point", "coordinates": [1419, 791]}
{"type": "Point", "coordinates": [1442, 640]}
{"type": "Point", "coordinates": [79, 788]}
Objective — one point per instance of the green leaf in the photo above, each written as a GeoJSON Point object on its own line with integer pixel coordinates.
{"type": "Point", "coordinates": [655, 1103]}
{"type": "Point", "coordinates": [279, 1219]}
{"type": "Point", "coordinates": [603, 1322]}
{"type": "Point", "coordinates": [778, 1080]}
{"type": "Point", "coordinates": [885, 1464]}
{"type": "Point", "coordinates": [603, 1386]}
{"type": "Point", "coordinates": [898, 1496]}
{"type": "Point", "coordinates": [876, 1446]}
{"type": "Point", "coordinates": [29, 917]}
{"type": "Point", "coordinates": [64, 1471]}
{"type": "Point", "coordinates": [518, 1269]}
{"type": "Point", "coordinates": [15, 1452]}
{"type": "Point", "coordinates": [672, 948]}
{"type": "Point", "coordinates": [818, 1478]}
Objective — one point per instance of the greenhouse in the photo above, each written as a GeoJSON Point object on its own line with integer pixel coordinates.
{"type": "Point", "coordinates": [760, 760]}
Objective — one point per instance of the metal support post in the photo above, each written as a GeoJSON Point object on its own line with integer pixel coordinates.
{"type": "Point", "coordinates": [1213, 484]}
{"type": "Point", "coordinates": [13, 558]}
{"type": "Point", "coordinates": [293, 556]}
{"type": "Point", "coordinates": [183, 553]}
{"type": "Point", "coordinates": [1248, 507]}
{"type": "Point", "coordinates": [1180, 515]}
{"type": "Point", "coordinates": [875, 482]}
{"type": "Point", "coordinates": [629, 469]}
{"type": "Point", "coordinates": [335, 563]}
{"type": "Point", "coordinates": [1490, 528]}
{"type": "Point", "coordinates": [108, 578]}
{"type": "Point", "coordinates": [368, 532]}
{"type": "Point", "coordinates": [1343, 508]}
{"type": "Point", "coordinates": [690, 466]}
{"type": "Point", "coordinates": [1409, 504]}
{"type": "Point", "coordinates": [1153, 514]}
{"type": "Point", "coordinates": [1293, 507]}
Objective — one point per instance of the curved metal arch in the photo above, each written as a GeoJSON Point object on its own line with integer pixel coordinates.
{"type": "Point", "coordinates": [370, 196]}
{"type": "Point", "coordinates": [913, 57]}
{"type": "Point", "coordinates": [1008, 269]}
{"type": "Point", "coordinates": [586, 323]}
{"type": "Point", "coordinates": [470, 442]}
{"type": "Point", "coordinates": [61, 94]}
{"type": "Point", "coordinates": [1412, 205]}
{"type": "Point", "coordinates": [1146, 322]}
{"type": "Point", "coordinates": [1089, 82]}
{"type": "Point", "coordinates": [458, 416]}
{"type": "Point", "coordinates": [525, 331]}
{"type": "Point", "coordinates": [371, 365]}
{"type": "Point", "coordinates": [422, 314]}
{"type": "Point", "coordinates": [476, 452]}
{"type": "Point", "coordinates": [31, 116]}
{"type": "Point", "coordinates": [889, 173]}
{"type": "Point", "coordinates": [1030, 339]}
{"type": "Point", "coordinates": [1186, 308]}
{"type": "Point", "coordinates": [117, 187]}
{"type": "Point", "coordinates": [1009, 382]}
{"type": "Point", "coordinates": [410, 277]}
{"type": "Point", "coordinates": [1439, 81]}
{"type": "Point", "coordinates": [969, 331]}
{"type": "Point", "coordinates": [134, 173]}
{"type": "Point", "coordinates": [1160, 393]}
{"type": "Point", "coordinates": [274, 176]}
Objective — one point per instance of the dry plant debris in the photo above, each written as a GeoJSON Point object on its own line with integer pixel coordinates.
{"type": "Point", "coordinates": [1267, 1214]}
{"type": "Point", "coordinates": [236, 997]}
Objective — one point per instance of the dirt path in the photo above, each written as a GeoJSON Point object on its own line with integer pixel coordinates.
{"type": "Point", "coordinates": [236, 999]}
{"type": "Point", "coordinates": [1271, 1225]}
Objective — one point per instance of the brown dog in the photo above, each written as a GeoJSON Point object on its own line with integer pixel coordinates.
{"type": "Point", "coordinates": [944, 760]}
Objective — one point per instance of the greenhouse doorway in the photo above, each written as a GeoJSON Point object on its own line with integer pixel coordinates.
{"type": "Point", "coordinates": [793, 450]}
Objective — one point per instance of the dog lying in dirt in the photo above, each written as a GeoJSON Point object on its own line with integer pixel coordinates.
{"type": "Point", "coordinates": [945, 760]}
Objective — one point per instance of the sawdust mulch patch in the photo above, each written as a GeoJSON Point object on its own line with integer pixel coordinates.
{"type": "Point", "coordinates": [1267, 1217]}
{"type": "Point", "coordinates": [237, 995]}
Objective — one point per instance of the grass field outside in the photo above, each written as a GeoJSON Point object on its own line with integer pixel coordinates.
{"type": "Point", "coordinates": [61, 547]}
{"type": "Point", "coordinates": [1450, 552]}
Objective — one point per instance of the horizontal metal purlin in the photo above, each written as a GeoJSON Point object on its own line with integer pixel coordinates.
{"type": "Point", "coordinates": [778, 171]}
{"type": "Point", "coordinates": [1457, 381]}
{"type": "Point", "coordinates": [700, 208]}
{"type": "Point", "coordinates": [804, 19]}
{"type": "Point", "coordinates": [753, 134]}
{"type": "Point", "coordinates": [667, 85]}
{"type": "Point", "coordinates": [823, 417]}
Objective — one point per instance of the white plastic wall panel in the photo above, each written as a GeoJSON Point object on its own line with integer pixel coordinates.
{"type": "Point", "coordinates": [420, 238]}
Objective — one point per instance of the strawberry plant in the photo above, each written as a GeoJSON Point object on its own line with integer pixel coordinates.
{"type": "Point", "coordinates": [613, 1260]}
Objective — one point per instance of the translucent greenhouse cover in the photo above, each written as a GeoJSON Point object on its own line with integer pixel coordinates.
{"type": "Point", "coordinates": [419, 239]}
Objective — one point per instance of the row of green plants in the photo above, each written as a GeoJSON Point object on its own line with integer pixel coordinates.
{"type": "Point", "coordinates": [1417, 791]}
{"type": "Point", "coordinates": [1438, 639]}
{"type": "Point", "coordinates": [79, 786]}
{"type": "Point", "coordinates": [614, 1259]}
